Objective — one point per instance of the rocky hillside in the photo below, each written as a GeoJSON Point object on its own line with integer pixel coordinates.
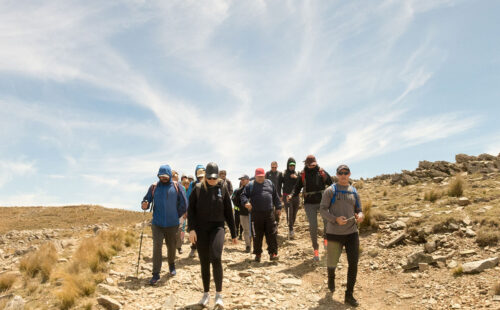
{"type": "Point", "coordinates": [426, 244]}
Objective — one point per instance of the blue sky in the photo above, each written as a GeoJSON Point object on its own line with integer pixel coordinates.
{"type": "Point", "coordinates": [96, 95]}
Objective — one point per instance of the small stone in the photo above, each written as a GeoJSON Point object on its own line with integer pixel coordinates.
{"type": "Point", "coordinates": [415, 214]}
{"type": "Point", "coordinates": [467, 252]}
{"type": "Point", "coordinates": [470, 233]}
{"type": "Point", "coordinates": [291, 281]}
{"type": "Point", "coordinates": [109, 303]}
{"type": "Point", "coordinates": [398, 225]}
{"type": "Point", "coordinates": [452, 264]}
{"type": "Point", "coordinates": [463, 201]}
{"type": "Point", "coordinates": [423, 267]}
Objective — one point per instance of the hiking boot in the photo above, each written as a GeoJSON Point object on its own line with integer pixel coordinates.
{"type": "Point", "coordinates": [247, 249]}
{"type": "Point", "coordinates": [316, 256]}
{"type": "Point", "coordinates": [350, 300]}
{"type": "Point", "coordinates": [172, 270]}
{"type": "Point", "coordinates": [205, 300]}
{"type": "Point", "coordinates": [179, 250]}
{"type": "Point", "coordinates": [154, 279]}
{"type": "Point", "coordinates": [331, 279]}
{"type": "Point", "coordinates": [219, 304]}
{"type": "Point", "coordinates": [257, 258]}
{"type": "Point", "coordinates": [273, 257]}
{"type": "Point", "coordinates": [291, 234]}
{"type": "Point", "coordinates": [192, 253]}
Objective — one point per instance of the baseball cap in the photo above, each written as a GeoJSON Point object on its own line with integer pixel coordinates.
{"type": "Point", "coordinates": [310, 159]}
{"type": "Point", "coordinates": [260, 172]}
{"type": "Point", "coordinates": [343, 167]}
{"type": "Point", "coordinates": [244, 177]}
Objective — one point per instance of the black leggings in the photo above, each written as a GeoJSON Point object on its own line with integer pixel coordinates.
{"type": "Point", "coordinates": [334, 249]}
{"type": "Point", "coordinates": [210, 244]}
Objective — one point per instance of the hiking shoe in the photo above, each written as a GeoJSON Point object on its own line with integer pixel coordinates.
{"type": "Point", "coordinates": [172, 270]}
{"type": "Point", "coordinates": [192, 253]}
{"type": "Point", "coordinates": [350, 300]}
{"type": "Point", "coordinates": [274, 257]}
{"type": "Point", "coordinates": [154, 279]}
{"type": "Point", "coordinates": [257, 258]}
{"type": "Point", "coordinates": [240, 237]}
{"type": "Point", "coordinates": [325, 243]}
{"type": "Point", "coordinates": [291, 234]}
{"type": "Point", "coordinates": [179, 250]}
{"type": "Point", "coordinates": [316, 256]}
{"type": "Point", "coordinates": [247, 249]}
{"type": "Point", "coordinates": [205, 300]}
{"type": "Point", "coordinates": [219, 304]}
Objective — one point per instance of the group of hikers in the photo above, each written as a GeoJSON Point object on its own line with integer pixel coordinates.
{"type": "Point", "coordinates": [204, 204]}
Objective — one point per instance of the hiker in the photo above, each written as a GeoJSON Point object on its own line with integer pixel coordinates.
{"type": "Point", "coordinates": [314, 181]}
{"type": "Point", "coordinates": [209, 207]}
{"type": "Point", "coordinates": [341, 207]}
{"type": "Point", "coordinates": [242, 212]}
{"type": "Point", "coordinates": [182, 219]}
{"type": "Point", "coordinates": [190, 178]}
{"type": "Point", "coordinates": [168, 203]}
{"type": "Point", "coordinates": [261, 198]}
{"type": "Point", "coordinates": [290, 177]}
{"type": "Point", "coordinates": [185, 183]}
{"type": "Point", "coordinates": [222, 176]}
{"type": "Point", "coordinates": [199, 172]}
{"type": "Point", "coordinates": [277, 178]}
{"type": "Point", "coordinates": [235, 198]}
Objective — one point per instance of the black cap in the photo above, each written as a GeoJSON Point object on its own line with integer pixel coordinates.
{"type": "Point", "coordinates": [212, 171]}
{"type": "Point", "coordinates": [244, 177]}
{"type": "Point", "coordinates": [343, 167]}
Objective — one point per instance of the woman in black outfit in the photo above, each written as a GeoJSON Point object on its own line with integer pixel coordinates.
{"type": "Point", "coordinates": [209, 207]}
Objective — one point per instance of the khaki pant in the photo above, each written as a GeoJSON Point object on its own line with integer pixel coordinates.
{"type": "Point", "coordinates": [246, 228]}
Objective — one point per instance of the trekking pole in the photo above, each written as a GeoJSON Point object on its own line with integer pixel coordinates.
{"type": "Point", "coordinates": [288, 219]}
{"type": "Point", "coordinates": [250, 231]}
{"type": "Point", "coordinates": [140, 245]}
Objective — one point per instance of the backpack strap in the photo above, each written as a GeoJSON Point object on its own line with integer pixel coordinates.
{"type": "Point", "coordinates": [334, 190]}
{"type": "Point", "coordinates": [351, 191]}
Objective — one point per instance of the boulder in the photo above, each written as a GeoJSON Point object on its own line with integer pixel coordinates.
{"type": "Point", "coordinates": [109, 303]}
{"type": "Point", "coordinates": [480, 265]}
{"type": "Point", "coordinates": [416, 258]}
{"type": "Point", "coordinates": [395, 240]}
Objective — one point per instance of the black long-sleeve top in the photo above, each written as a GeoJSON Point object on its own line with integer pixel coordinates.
{"type": "Point", "coordinates": [213, 206]}
{"type": "Point", "coordinates": [316, 180]}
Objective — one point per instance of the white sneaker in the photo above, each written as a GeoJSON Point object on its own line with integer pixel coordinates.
{"type": "Point", "coordinates": [205, 300]}
{"type": "Point", "coordinates": [219, 304]}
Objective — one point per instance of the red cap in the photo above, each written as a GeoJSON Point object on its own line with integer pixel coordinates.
{"type": "Point", "coordinates": [259, 172]}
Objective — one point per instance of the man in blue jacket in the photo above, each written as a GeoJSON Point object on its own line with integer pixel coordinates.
{"type": "Point", "coordinates": [260, 198]}
{"type": "Point", "coordinates": [168, 203]}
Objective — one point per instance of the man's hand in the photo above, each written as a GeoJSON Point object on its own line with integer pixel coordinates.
{"type": "Point", "coordinates": [293, 176]}
{"type": "Point", "coordinates": [192, 237]}
{"type": "Point", "coordinates": [341, 220]}
{"type": "Point", "coordinates": [145, 205]}
{"type": "Point", "coordinates": [359, 217]}
{"type": "Point", "coordinates": [248, 206]}
{"type": "Point", "coordinates": [288, 198]}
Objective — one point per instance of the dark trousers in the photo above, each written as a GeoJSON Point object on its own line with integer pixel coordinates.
{"type": "Point", "coordinates": [210, 244]}
{"type": "Point", "coordinates": [351, 244]}
{"type": "Point", "coordinates": [264, 223]}
{"type": "Point", "coordinates": [169, 234]}
{"type": "Point", "coordinates": [237, 223]}
{"type": "Point", "coordinates": [291, 209]}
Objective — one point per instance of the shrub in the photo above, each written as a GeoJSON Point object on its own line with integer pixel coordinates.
{"type": "Point", "coordinates": [6, 281]}
{"type": "Point", "coordinates": [456, 187]}
{"type": "Point", "coordinates": [41, 262]}
{"type": "Point", "coordinates": [385, 193]}
{"type": "Point", "coordinates": [359, 184]}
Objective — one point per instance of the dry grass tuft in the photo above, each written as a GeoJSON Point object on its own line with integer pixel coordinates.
{"type": "Point", "coordinates": [456, 187]}
{"type": "Point", "coordinates": [487, 236]}
{"type": "Point", "coordinates": [369, 222]}
{"type": "Point", "coordinates": [85, 269]}
{"type": "Point", "coordinates": [457, 272]}
{"type": "Point", "coordinates": [433, 195]}
{"type": "Point", "coordinates": [40, 262]}
{"type": "Point", "coordinates": [7, 280]}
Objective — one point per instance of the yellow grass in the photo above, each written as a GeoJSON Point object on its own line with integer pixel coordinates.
{"type": "Point", "coordinates": [456, 187]}
{"type": "Point", "coordinates": [6, 281]}
{"type": "Point", "coordinates": [41, 262]}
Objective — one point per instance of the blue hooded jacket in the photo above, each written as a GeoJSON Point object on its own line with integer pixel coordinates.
{"type": "Point", "coordinates": [193, 184]}
{"type": "Point", "coordinates": [169, 205]}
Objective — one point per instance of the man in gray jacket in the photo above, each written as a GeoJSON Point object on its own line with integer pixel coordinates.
{"type": "Point", "coordinates": [341, 207]}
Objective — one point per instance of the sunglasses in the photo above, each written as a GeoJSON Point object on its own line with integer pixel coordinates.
{"type": "Point", "coordinates": [274, 167]}
{"type": "Point", "coordinates": [343, 173]}
{"type": "Point", "coordinates": [211, 178]}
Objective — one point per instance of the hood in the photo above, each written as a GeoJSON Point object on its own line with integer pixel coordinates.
{"type": "Point", "coordinates": [198, 167]}
{"type": "Point", "coordinates": [165, 169]}
{"type": "Point", "coordinates": [291, 160]}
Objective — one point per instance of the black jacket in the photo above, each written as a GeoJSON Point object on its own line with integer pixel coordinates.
{"type": "Point", "coordinates": [277, 179]}
{"type": "Point", "coordinates": [263, 197]}
{"type": "Point", "coordinates": [237, 202]}
{"type": "Point", "coordinates": [212, 206]}
{"type": "Point", "coordinates": [316, 180]}
{"type": "Point", "coordinates": [288, 181]}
